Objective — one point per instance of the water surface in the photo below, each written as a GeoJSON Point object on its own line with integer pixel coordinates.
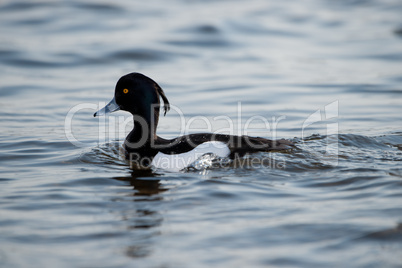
{"type": "Point", "coordinates": [313, 69]}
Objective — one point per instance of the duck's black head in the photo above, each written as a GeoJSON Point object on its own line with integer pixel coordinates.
{"type": "Point", "coordinates": [137, 94]}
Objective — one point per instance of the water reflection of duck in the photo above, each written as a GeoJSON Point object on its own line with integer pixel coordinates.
{"type": "Point", "coordinates": [145, 182]}
{"type": "Point", "coordinates": [143, 219]}
{"type": "Point", "coordinates": [139, 95]}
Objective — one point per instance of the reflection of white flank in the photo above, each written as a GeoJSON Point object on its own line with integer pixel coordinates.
{"type": "Point", "coordinates": [177, 162]}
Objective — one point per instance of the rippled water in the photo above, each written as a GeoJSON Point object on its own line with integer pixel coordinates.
{"type": "Point", "coordinates": [311, 69]}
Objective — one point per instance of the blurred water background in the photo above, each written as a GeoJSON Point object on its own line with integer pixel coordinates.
{"type": "Point", "coordinates": [336, 64]}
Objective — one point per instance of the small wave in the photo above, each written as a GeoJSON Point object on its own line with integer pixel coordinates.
{"type": "Point", "coordinates": [99, 7]}
{"type": "Point", "coordinates": [18, 6]}
{"type": "Point", "coordinates": [106, 155]}
{"type": "Point", "coordinates": [202, 29]}
{"type": "Point", "coordinates": [208, 161]}
{"type": "Point", "coordinates": [343, 151]}
{"type": "Point", "coordinates": [251, 161]}
{"type": "Point", "coordinates": [391, 234]}
{"type": "Point", "coordinates": [398, 32]}
{"type": "Point", "coordinates": [139, 55]}
{"type": "Point", "coordinates": [200, 42]}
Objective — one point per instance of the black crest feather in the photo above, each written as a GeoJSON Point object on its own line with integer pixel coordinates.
{"type": "Point", "coordinates": [166, 104]}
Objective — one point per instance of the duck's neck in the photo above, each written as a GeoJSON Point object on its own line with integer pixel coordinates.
{"type": "Point", "coordinates": [143, 134]}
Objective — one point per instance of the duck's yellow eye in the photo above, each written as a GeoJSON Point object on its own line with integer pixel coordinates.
{"type": "Point", "coordinates": [125, 91]}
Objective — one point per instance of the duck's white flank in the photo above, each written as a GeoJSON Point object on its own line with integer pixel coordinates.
{"type": "Point", "coordinates": [177, 162]}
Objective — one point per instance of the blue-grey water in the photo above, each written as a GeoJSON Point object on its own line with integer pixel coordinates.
{"type": "Point", "coordinates": [325, 74]}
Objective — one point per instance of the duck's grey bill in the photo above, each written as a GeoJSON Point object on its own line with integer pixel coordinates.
{"type": "Point", "coordinates": [110, 107]}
